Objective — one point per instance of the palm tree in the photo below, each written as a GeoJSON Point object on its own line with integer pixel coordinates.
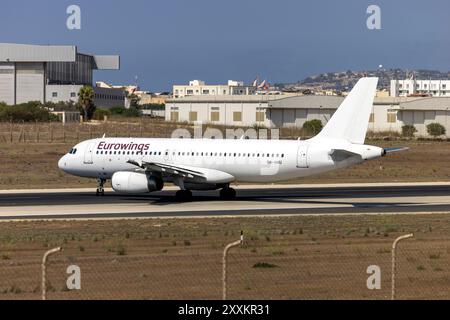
{"type": "Point", "coordinates": [85, 100]}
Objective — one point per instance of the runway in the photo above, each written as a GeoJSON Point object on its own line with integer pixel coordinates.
{"type": "Point", "coordinates": [251, 201]}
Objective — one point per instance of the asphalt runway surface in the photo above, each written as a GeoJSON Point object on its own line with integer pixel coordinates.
{"type": "Point", "coordinates": [250, 202]}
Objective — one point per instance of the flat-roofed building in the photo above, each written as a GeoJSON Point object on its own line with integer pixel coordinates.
{"type": "Point", "coordinates": [200, 88]}
{"type": "Point", "coordinates": [411, 87]}
{"type": "Point", "coordinates": [389, 114]}
{"type": "Point", "coordinates": [424, 111]}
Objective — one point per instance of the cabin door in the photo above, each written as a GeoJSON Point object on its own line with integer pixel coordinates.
{"type": "Point", "coordinates": [302, 157]}
{"type": "Point", "coordinates": [89, 153]}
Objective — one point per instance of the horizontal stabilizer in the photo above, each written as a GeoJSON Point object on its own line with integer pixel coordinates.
{"type": "Point", "coordinates": [392, 150]}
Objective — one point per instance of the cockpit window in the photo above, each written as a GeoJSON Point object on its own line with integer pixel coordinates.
{"type": "Point", "coordinates": [73, 151]}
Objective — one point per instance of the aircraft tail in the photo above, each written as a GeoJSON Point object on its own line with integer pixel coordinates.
{"type": "Point", "coordinates": [351, 120]}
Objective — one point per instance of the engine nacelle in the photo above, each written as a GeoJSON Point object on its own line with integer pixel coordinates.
{"type": "Point", "coordinates": [133, 182]}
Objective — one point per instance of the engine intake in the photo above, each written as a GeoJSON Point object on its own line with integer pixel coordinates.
{"type": "Point", "coordinates": [133, 182]}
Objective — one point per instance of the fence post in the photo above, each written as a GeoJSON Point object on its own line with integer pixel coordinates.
{"type": "Point", "coordinates": [37, 131]}
{"type": "Point", "coordinates": [51, 131]}
{"type": "Point", "coordinates": [11, 131]}
{"type": "Point", "coordinates": [394, 262]}
{"type": "Point", "coordinates": [225, 256]}
{"type": "Point", "coordinates": [44, 275]}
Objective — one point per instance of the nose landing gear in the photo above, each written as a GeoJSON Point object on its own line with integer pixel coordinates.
{"type": "Point", "coordinates": [100, 187]}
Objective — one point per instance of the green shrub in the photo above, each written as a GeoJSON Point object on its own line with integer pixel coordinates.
{"type": "Point", "coordinates": [26, 112]}
{"type": "Point", "coordinates": [100, 114]}
{"type": "Point", "coordinates": [121, 111]}
{"type": "Point", "coordinates": [408, 130]}
{"type": "Point", "coordinates": [313, 127]}
{"type": "Point", "coordinates": [436, 129]}
{"type": "Point", "coordinates": [264, 265]}
{"type": "Point", "coordinates": [154, 106]}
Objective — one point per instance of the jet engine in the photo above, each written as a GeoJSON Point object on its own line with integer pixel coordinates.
{"type": "Point", "coordinates": [133, 182]}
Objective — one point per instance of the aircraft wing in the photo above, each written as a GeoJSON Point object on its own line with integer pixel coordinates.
{"type": "Point", "coordinates": [185, 172]}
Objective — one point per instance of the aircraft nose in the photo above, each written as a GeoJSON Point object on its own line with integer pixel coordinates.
{"type": "Point", "coordinates": [62, 164]}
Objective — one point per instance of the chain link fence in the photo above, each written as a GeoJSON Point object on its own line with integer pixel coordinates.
{"type": "Point", "coordinates": [262, 268]}
{"type": "Point", "coordinates": [55, 132]}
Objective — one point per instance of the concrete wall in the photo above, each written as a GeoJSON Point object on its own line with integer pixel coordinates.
{"type": "Point", "coordinates": [109, 98]}
{"type": "Point", "coordinates": [380, 116]}
{"type": "Point", "coordinates": [421, 118]}
{"type": "Point", "coordinates": [30, 82]}
{"type": "Point", "coordinates": [7, 83]}
{"type": "Point", "coordinates": [226, 112]}
{"type": "Point", "coordinates": [63, 93]}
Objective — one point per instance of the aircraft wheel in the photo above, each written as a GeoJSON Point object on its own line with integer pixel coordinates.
{"type": "Point", "coordinates": [184, 196]}
{"type": "Point", "coordinates": [228, 194]}
{"type": "Point", "coordinates": [100, 187]}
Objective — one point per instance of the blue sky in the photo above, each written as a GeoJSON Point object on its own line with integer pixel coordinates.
{"type": "Point", "coordinates": [174, 41]}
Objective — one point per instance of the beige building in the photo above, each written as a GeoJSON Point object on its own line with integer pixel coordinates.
{"type": "Point", "coordinates": [389, 114]}
{"type": "Point", "coordinates": [148, 98]}
{"type": "Point", "coordinates": [200, 88]}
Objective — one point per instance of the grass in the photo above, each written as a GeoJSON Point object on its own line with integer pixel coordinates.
{"type": "Point", "coordinates": [329, 266]}
{"type": "Point", "coordinates": [435, 256]}
{"type": "Point", "coordinates": [264, 265]}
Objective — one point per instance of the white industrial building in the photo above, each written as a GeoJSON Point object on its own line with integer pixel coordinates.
{"type": "Point", "coordinates": [52, 74]}
{"type": "Point", "coordinates": [411, 87]}
{"type": "Point", "coordinates": [200, 88]}
{"type": "Point", "coordinates": [389, 114]}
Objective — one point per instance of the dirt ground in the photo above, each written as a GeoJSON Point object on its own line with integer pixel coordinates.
{"type": "Point", "coordinates": [309, 257]}
{"type": "Point", "coordinates": [33, 165]}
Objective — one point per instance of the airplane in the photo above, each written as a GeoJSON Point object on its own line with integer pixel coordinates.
{"type": "Point", "coordinates": [144, 165]}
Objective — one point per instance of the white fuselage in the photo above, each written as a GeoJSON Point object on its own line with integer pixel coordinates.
{"type": "Point", "coordinates": [242, 160]}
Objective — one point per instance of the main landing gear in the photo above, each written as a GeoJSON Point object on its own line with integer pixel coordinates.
{"type": "Point", "coordinates": [227, 194]}
{"type": "Point", "coordinates": [184, 196]}
{"type": "Point", "coordinates": [100, 187]}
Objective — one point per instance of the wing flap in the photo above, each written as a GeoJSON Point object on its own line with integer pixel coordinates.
{"type": "Point", "coordinates": [185, 172]}
{"type": "Point", "coordinates": [167, 169]}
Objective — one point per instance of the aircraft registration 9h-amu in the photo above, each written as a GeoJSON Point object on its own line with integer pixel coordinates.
{"type": "Point", "coordinates": [141, 165]}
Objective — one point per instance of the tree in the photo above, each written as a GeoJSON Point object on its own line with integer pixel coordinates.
{"type": "Point", "coordinates": [436, 129]}
{"type": "Point", "coordinates": [313, 127]}
{"type": "Point", "coordinates": [86, 102]}
{"type": "Point", "coordinates": [408, 130]}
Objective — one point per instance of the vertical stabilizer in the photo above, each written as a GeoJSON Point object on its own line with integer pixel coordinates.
{"type": "Point", "coordinates": [351, 120]}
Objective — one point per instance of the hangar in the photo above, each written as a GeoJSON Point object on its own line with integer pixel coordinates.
{"type": "Point", "coordinates": [51, 74]}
